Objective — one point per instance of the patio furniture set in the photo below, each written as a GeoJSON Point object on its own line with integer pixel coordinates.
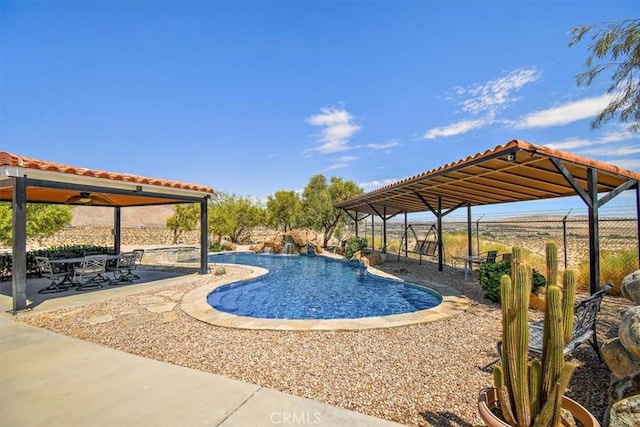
{"type": "Point", "coordinates": [89, 271]}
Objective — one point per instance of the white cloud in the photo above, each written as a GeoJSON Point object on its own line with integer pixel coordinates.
{"type": "Point", "coordinates": [339, 165]}
{"type": "Point", "coordinates": [384, 146]}
{"type": "Point", "coordinates": [372, 185]}
{"type": "Point", "coordinates": [570, 144]}
{"type": "Point", "coordinates": [564, 114]}
{"type": "Point", "coordinates": [337, 128]}
{"type": "Point", "coordinates": [342, 162]}
{"type": "Point", "coordinates": [607, 138]}
{"type": "Point", "coordinates": [614, 151]}
{"type": "Point", "coordinates": [617, 136]}
{"type": "Point", "coordinates": [630, 164]}
{"type": "Point", "coordinates": [346, 159]}
{"type": "Point", "coordinates": [485, 100]}
{"type": "Point", "coordinates": [454, 129]}
{"type": "Point", "coordinates": [496, 94]}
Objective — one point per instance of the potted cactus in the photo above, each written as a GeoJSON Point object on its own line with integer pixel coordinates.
{"type": "Point", "coordinates": [531, 393]}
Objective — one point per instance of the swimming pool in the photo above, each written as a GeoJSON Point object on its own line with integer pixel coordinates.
{"type": "Point", "coordinates": [315, 287]}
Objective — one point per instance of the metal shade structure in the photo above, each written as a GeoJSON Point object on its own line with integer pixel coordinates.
{"type": "Point", "coordinates": [518, 171]}
{"type": "Point", "coordinates": [28, 180]}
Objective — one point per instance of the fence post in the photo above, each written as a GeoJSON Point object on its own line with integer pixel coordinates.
{"type": "Point", "coordinates": [564, 236]}
{"type": "Point", "coordinates": [469, 232]}
{"type": "Point", "coordinates": [478, 233]}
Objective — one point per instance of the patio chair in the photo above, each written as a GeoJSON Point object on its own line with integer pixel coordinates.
{"type": "Point", "coordinates": [123, 266]}
{"type": "Point", "coordinates": [49, 272]}
{"type": "Point", "coordinates": [139, 253]}
{"type": "Point", "coordinates": [485, 258]}
{"type": "Point", "coordinates": [89, 273]}
{"type": "Point", "coordinates": [584, 327]}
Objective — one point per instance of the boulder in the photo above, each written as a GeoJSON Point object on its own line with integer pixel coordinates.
{"type": "Point", "coordinates": [228, 246]}
{"type": "Point", "coordinates": [299, 237]}
{"type": "Point", "coordinates": [619, 360]}
{"type": "Point", "coordinates": [631, 287]}
{"type": "Point", "coordinates": [626, 387]}
{"type": "Point", "coordinates": [375, 259]}
{"type": "Point", "coordinates": [364, 261]}
{"type": "Point", "coordinates": [317, 247]}
{"type": "Point", "coordinates": [291, 242]}
{"type": "Point", "coordinates": [629, 330]}
{"type": "Point", "coordinates": [258, 247]}
{"type": "Point", "coordinates": [624, 413]}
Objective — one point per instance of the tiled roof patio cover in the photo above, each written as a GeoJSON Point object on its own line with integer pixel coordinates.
{"type": "Point", "coordinates": [514, 172]}
{"type": "Point", "coordinates": [119, 188]}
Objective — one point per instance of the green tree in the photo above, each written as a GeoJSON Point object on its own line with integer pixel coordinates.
{"type": "Point", "coordinates": [615, 47]}
{"type": "Point", "coordinates": [43, 220]}
{"type": "Point", "coordinates": [318, 199]}
{"type": "Point", "coordinates": [184, 219]}
{"type": "Point", "coordinates": [233, 217]}
{"type": "Point", "coordinates": [283, 209]}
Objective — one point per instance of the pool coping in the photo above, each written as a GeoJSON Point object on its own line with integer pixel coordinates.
{"type": "Point", "coordinates": [195, 305]}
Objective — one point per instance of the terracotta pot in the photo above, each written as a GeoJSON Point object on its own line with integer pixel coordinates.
{"type": "Point", "coordinates": [488, 400]}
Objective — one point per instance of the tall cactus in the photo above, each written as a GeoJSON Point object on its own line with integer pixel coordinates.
{"type": "Point", "coordinates": [530, 392]}
{"type": "Point", "coordinates": [568, 300]}
{"type": "Point", "coordinates": [551, 249]}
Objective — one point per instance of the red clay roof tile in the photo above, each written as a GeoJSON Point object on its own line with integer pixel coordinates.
{"type": "Point", "coordinates": [15, 160]}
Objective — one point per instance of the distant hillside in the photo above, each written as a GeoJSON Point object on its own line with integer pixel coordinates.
{"type": "Point", "coordinates": [138, 216]}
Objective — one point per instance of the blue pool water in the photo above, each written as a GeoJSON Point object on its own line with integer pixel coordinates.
{"type": "Point", "coordinates": [315, 287]}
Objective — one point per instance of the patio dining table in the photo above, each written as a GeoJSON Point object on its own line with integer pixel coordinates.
{"type": "Point", "coordinates": [69, 264]}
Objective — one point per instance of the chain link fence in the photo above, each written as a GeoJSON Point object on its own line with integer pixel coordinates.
{"type": "Point", "coordinates": [618, 239]}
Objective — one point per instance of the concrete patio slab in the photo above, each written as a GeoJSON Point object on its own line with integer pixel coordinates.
{"type": "Point", "coordinates": [48, 379]}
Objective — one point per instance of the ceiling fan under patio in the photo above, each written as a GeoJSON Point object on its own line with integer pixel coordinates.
{"type": "Point", "coordinates": [85, 198]}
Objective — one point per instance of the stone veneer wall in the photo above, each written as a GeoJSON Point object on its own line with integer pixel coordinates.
{"type": "Point", "coordinates": [103, 236]}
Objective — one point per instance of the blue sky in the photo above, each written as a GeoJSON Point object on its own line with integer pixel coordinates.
{"type": "Point", "coordinates": [255, 97]}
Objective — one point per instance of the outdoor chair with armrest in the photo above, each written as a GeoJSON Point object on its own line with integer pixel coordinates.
{"type": "Point", "coordinates": [110, 261]}
{"type": "Point", "coordinates": [505, 256]}
{"type": "Point", "coordinates": [584, 326]}
{"type": "Point", "coordinates": [139, 253]}
{"type": "Point", "coordinates": [483, 258]}
{"type": "Point", "coordinates": [125, 262]}
{"type": "Point", "coordinates": [89, 273]}
{"type": "Point", "coordinates": [47, 270]}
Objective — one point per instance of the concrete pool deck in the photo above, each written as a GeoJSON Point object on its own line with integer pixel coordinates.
{"type": "Point", "coordinates": [48, 379]}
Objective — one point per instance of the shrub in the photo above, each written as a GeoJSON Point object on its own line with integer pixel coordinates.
{"type": "Point", "coordinates": [614, 266]}
{"type": "Point", "coordinates": [353, 245]}
{"type": "Point", "coordinates": [491, 273]}
{"type": "Point", "coordinates": [220, 271]}
{"type": "Point", "coordinates": [215, 247]}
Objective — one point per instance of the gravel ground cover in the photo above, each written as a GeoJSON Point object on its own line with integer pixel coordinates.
{"type": "Point", "coordinates": [420, 375]}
